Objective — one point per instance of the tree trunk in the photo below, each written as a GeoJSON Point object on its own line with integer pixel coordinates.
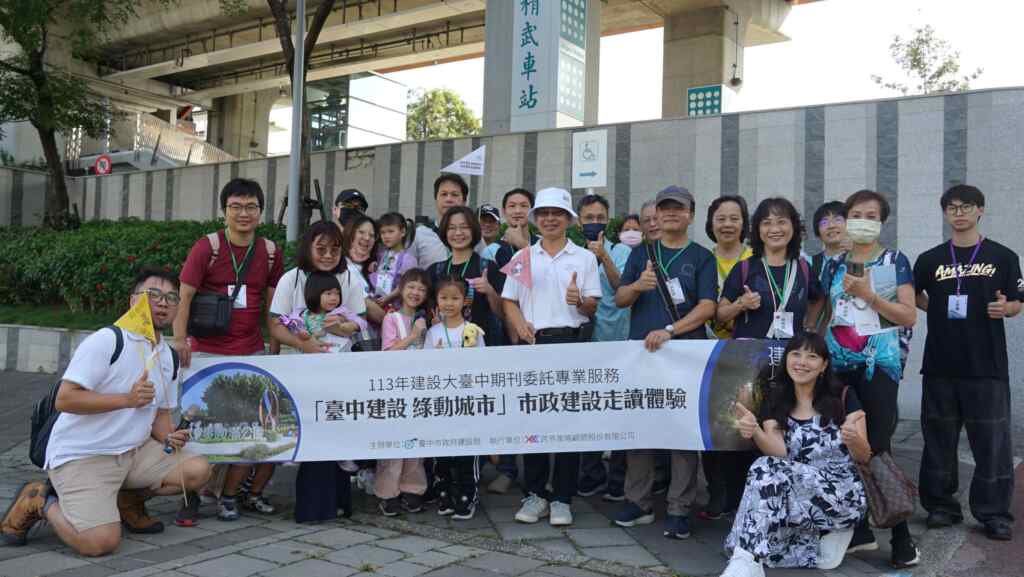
{"type": "Point", "coordinates": [56, 213]}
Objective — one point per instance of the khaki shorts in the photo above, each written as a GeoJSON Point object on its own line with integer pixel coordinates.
{"type": "Point", "coordinates": [88, 487]}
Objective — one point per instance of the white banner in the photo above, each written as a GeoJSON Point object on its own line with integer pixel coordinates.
{"type": "Point", "coordinates": [472, 164]}
{"type": "Point", "coordinates": [549, 398]}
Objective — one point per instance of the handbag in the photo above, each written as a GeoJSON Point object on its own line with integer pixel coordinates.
{"type": "Point", "coordinates": [210, 312]}
{"type": "Point", "coordinates": [891, 495]}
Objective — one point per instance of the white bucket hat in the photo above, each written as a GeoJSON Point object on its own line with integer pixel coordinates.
{"type": "Point", "coordinates": [553, 198]}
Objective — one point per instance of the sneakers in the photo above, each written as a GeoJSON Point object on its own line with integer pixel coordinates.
{"type": "Point", "coordinates": [257, 503]}
{"type": "Point", "coordinates": [561, 514]}
{"type": "Point", "coordinates": [743, 564]}
{"type": "Point", "coordinates": [676, 527]}
{"type": "Point", "coordinates": [590, 489]}
{"type": "Point", "coordinates": [227, 509]}
{"type": "Point", "coordinates": [500, 485]}
{"type": "Point", "coordinates": [999, 530]}
{"type": "Point", "coordinates": [445, 503]}
{"type": "Point", "coordinates": [904, 553]}
{"type": "Point", "coordinates": [713, 511]}
{"type": "Point", "coordinates": [131, 504]}
{"type": "Point", "coordinates": [348, 466]}
{"type": "Point", "coordinates": [941, 519]}
{"type": "Point", "coordinates": [465, 508]}
{"type": "Point", "coordinates": [614, 496]}
{"type": "Point", "coordinates": [632, 515]}
{"type": "Point", "coordinates": [832, 548]}
{"type": "Point", "coordinates": [412, 503]}
{"type": "Point", "coordinates": [24, 511]}
{"type": "Point", "coordinates": [188, 514]}
{"type": "Point", "coordinates": [534, 509]}
{"type": "Point", "coordinates": [390, 507]}
{"type": "Point", "coordinates": [863, 540]}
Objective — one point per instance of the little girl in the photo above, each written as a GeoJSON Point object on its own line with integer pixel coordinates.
{"type": "Point", "coordinates": [401, 483]}
{"type": "Point", "coordinates": [455, 478]}
{"type": "Point", "coordinates": [322, 311]}
{"type": "Point", "coordinates": [392, 258]}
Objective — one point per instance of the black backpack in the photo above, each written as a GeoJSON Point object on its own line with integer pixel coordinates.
{"type": "Point", "coordinates": [45, 413]}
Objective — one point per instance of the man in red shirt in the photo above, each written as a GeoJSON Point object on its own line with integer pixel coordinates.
{"type": "Point", "coordinates": [216, 264]}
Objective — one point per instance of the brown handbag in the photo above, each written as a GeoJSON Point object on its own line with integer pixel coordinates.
{"type": "Point", "coordinates": [891, 495]}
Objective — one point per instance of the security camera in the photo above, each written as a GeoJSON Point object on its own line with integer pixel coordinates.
{"type": "Point", "coordinates": [735, 81]}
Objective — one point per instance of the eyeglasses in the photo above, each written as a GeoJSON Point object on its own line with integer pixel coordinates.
{"type": "Point", "coordinates": [157, 295]}
{"type": "Point", "coordinates": [830, 220]}
{"type": "Point", "coordinates": [322, 250]}
{"type": "Point", "coordinates": [965, 209]}
{"type": "Point", "coordinates": [247, 208]}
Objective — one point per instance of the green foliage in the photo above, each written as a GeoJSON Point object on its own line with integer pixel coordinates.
{"type": "Point", "coordinates": [92, 268]}
{"type": "Point", "coordinates": [236, 398]}
{"type": "Point", "coordinates": [440, 113]}
{"type": "Point", "coordinates": [64, 102]}
{"type": "Point", "coordinates": [929, 62]}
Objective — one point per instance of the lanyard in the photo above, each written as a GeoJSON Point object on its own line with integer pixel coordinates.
{"type": "Point", "coordinates": [447, 337]}
{"type": "Point", "coordinates": [462, 274]}
{"type": "Point", "coordinates": [780, 297]}
{"type": "Point", "coordinates": [664, 267]}
{"type": "Point", "coordinates": [956, 268]}
{"type": "Point", "coordinates": [234, 263]}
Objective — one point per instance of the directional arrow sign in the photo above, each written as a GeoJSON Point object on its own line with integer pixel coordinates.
{"type": "Point", "coordinates": [592, 173]}
{"type": "Point", "coordinates": [590, 159]}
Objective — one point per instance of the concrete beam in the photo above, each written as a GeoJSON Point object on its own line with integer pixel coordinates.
{"type": "Point", "coordinates": [350, 31]}
{"type": "Point", "coordinates": [462, 50]}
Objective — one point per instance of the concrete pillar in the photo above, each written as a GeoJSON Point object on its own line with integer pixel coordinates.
{"type": "Point", "coordinates": [553, 54]}
{"type": "Point", "coordinates": [702, 47]}
{"type": "Point", "coordinates": [239, 124]}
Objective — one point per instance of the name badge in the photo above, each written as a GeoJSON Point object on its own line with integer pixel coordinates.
{"type": "Point", "coordinates": [867, 322]}
{"type": "Point", "coordinates": [957, 307]}
{"type": "Point", "coordinates": [240, 302]}
{"type": "Point", "coordinates": [782, 325]}
{"type": "Point", "coordinates": [675, 290]}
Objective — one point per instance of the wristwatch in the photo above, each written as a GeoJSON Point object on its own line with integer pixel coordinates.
{"type": "Point", "coordinates": [671, 330]}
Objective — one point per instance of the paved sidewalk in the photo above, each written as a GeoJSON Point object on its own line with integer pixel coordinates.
{"type": "Point", "coordinates": [426, 544]}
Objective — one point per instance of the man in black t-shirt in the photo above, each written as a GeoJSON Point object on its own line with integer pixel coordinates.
{"type": "Point", "coordinates": [967, 286]}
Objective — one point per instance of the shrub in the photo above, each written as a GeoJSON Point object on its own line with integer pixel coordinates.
{"type": "Point", "coordinates": [91, 268]}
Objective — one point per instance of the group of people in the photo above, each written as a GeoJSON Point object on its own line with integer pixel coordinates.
{"type": "Point", "coordinates": [391, 284]}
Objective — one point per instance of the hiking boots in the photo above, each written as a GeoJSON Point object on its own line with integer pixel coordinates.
{"type": "Point", "coordinates": [132, 506]}
{"type": "Point", "coordinates": [25, 510]}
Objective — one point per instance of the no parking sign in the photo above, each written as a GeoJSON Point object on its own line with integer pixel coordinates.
{"type": "Point", "coordinates": [103, 165]}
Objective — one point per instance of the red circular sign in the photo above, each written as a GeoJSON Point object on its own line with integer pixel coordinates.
{"type": "Point", "coordinates": [104, 164]}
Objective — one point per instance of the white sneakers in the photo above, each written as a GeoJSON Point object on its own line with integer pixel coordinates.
{"type": "Point", "coordinates": [534, 509]}
{"type": "Point", "coordinates": [561, 514]}
{"type": "Point", "coordinates": [832, 548]}
{"type": "Point", "coordinates": [742, 564]}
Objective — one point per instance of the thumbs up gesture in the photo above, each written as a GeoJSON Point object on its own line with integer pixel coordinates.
{"type": "Point", "coordinates": [850, 431]}
{"type": "Point", "coordinates": [597, 247]}
{"type": "Point", "coordinates": [572, 294]}
{"type": "Point", "coordinates": [749, 300]}
{"type": "Point", "coordinates": [997, 308]}
{"type": "Point", "coordinates": [142, 392]}
{"type": "Point", "coordinates": [648, 279]}
{"type": "Point", "coordinates": [746, 423]}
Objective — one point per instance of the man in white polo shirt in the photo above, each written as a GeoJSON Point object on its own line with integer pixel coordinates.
{"type": "Point", "coordinates": [565, 290]}
{"type": "Point", "coordinates": [106, 452]}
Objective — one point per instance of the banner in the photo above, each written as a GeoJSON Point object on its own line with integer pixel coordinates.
{"type": "Point", "coordinates": [480, 401]}
{"type": "Point", "coordinates": [472, 164]}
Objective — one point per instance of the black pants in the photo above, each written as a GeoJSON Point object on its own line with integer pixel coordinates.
{"type": "Point", "coordinates": [879, 397]}
{"type": "Point", "coordinates": [457, 475]}
{"type": "Point", "coordinates": [594, 474]}
{"type": "Point", "coordinates": [982, 407]}
{"type": "Point", "coordinates": [537, 466]}
{"type": "Point", "coordinates": [321, 488]}
{"type": "Point", "coordinates": [726, 474]}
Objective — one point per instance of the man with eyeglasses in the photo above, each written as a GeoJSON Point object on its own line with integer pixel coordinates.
{"type": "Point", "coordinates": [967, 286]}
{"type": "Point", "coordinates": [830, 228]}
{"type": "Point", "coordinates": [219, 262]}
{"type": "Point", "coordinates": [112, 446]}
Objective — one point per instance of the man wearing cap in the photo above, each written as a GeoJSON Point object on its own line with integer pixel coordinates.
{"type": "Point", "coordinates": [670, 285]}
{"type": "Point", "coordinates": [563, 296]}
{"type": "Point", "coordinates": [490, 230]}
{"type": "Point", "coordinates": [349, 202]}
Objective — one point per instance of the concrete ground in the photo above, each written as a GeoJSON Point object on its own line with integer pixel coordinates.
{"type": "Point", "coordinates": [491, 544]}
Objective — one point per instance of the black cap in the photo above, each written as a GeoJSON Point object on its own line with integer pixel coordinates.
{"type": "Point", "coordinates": [351, 195]}
{"type": "Point", "coordinates": [489, 210]}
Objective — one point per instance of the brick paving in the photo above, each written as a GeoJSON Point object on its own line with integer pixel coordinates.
{"type": "Point", "coordinates": [425, 544]}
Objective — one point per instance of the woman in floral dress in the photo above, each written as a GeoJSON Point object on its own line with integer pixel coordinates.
{"type": "Point", "coordinates": [803, 498]}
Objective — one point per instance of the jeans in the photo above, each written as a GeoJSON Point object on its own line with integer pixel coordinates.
{"type": "Point", "coordinates": [982, 407]}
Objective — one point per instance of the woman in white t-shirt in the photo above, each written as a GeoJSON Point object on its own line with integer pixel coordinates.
{"type": "Point", "coordinates": [319, 249]}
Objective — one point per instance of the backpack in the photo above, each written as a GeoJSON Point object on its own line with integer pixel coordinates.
{"type": "Point", "coordinates": [44, 412]}
{"type": "Point", "coordinates": [214, 238]}
{"type": "Point", "coordinates": [888, 257]}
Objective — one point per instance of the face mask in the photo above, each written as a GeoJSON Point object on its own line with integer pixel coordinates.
{"type": "Point", "coordinates": [345, 213]}
{"type": "Point", "coordinates": [631, 238]}
{"type": "Point", "coordinates": [863, 231]}
{"type": "Point", "coordinates": [592, 230]}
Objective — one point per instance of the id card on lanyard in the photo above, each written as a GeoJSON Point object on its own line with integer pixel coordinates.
{"type": "Point", "coordinates": [956, 308]}
{"type": "Point", "coordinates": [782, 320]}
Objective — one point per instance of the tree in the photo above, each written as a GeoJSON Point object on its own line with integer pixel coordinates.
{"type": "Point", "coordinates": [54, 99]}
{"type": "Point", "coordinates": [929, 63]}
{"type": "Point", "coordinates": [440, 113]}
{"type": "Point", "coordinates": [236, 398]}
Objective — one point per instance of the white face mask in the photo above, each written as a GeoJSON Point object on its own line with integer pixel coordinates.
{"type": "Point", "coordinates": [863, 231]}
{"type": "Point", "coordinates": [631, 238]}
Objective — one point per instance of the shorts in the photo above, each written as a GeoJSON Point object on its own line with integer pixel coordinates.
{"type": "Point", "coordinates": [88, 487]}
